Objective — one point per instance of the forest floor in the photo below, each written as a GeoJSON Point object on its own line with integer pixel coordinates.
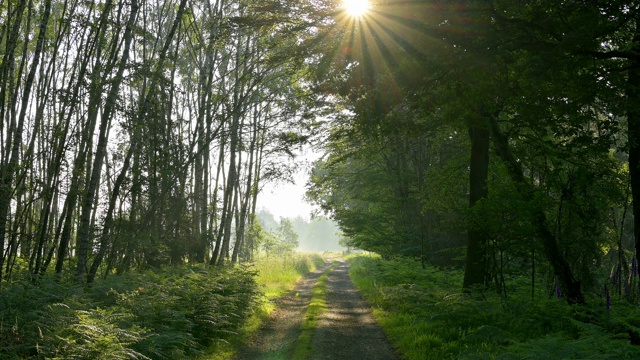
{"type": "Point", "coordinates": [346, 330]}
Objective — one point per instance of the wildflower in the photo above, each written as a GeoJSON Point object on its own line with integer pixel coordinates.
{"type": "Point", "coordinates": [558, 290]}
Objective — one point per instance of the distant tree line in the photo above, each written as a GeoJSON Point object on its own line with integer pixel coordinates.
{"type": "Point", "coordinates": [318, 234]}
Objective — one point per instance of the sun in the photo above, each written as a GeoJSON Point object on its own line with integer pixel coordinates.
{"type": "Point", "coordinates": [356, 8]}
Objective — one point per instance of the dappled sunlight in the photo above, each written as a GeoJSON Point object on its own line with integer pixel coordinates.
{"type": "Point", "coordinates": [381, 40]}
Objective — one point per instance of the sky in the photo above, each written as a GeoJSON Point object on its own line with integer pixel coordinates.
{"type": "Point", "coordinates": [285, 199]}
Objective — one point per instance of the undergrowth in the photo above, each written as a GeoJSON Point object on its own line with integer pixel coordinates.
{"type": "Point", "coordinates": [172, 313]}
{"type": "Point", "coordinates": [426, 316]}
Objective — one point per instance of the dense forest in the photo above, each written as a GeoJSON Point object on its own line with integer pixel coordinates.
{"type": "Point", "coordinates": [500, 138]}
{"type": "Point", "coordinates": [497, 136]}
{"type": "Point", "coordinates": [138, 134]}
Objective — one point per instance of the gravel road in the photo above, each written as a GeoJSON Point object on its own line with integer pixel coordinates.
{"type": "Point", "coordinates": [346, 331]}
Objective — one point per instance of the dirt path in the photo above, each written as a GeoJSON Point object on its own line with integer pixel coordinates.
{"type": "Point", "coordinates": [346, 331]}
{"type": "Point", "coordinates": [276, 339]}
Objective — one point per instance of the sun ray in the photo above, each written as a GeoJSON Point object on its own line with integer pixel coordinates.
{"type": "Point", "coordinates": [378, 46]}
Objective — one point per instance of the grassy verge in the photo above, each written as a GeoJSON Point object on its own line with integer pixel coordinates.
{"type": "Point", "coordinates": [317, 306]}
{"type": "Point", "coordinates": [172, 313]}
{"type": "Point", "coordinates": [276, 276]}
{"type": "Point", "coordinates": [183, 312]}
{"type": "Point", "coordinates": [426, 317]}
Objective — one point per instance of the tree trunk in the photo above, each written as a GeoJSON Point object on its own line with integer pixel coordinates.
{"type": "Point", "coordinates": [476, 260]}
{"type": "Point", "coordinates": [83, 240]}
{"type": "Point", "coordinates": [633, 130]}
{"type": "Point", "coordinates": [560, 266]}
{"type": "Point", "coordinates": [6, 188]}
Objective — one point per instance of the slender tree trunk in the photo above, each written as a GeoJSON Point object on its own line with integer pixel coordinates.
{"type": "Point", "coordinates": [633, 133]}
{"type": "Point", "coordinates": [476, 260]}
{"type": "Point", "coordinates": [65, 223]}
{"type": "Point", "coordinates": [8, 170]}
{"type": "Point", "coordinates": [228, 192]}
{"type": "Point", "coordinates": [560, 266]}
{"type": "Point", "coordinates": [108, 222]}
{"type": "Point", "coordinates": [23, 110]}
{"type": "Point", "coordinates": [220, 227]}
{"type": "Point", "coordinates": [83, 241]}
{"type": "Point", "coordinates": [249, 190]}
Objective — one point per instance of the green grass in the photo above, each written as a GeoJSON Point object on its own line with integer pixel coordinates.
{"type": "Point", "coordinates": [276, 276]}
{"type": "Point", "coordinates": [317, 306]}
{"type": "Point", "coordinates": [426, 316]}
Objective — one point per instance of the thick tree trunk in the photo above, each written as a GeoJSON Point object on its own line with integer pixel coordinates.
{"type": "Point", "coordinates": [560, 266]}
{"type": "Point", "coordinates": [476, 260]}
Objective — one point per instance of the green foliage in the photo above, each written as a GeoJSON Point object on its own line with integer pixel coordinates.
{"type": "Point", "coordinates": [279, 238]}
{"type": "Point", "coordinates": [173, 313]}
{"type": "Point", "coordinates": [425, 315]}
{"type": "Point", "coordinates": [288, 236]}
{"type": "Point", "coordinates": [101, 334]}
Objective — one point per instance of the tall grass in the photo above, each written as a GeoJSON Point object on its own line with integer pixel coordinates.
{"type": "Point", "coordinates": [277, 275]}
{"type": "Point", "coordinates": [427, 317]}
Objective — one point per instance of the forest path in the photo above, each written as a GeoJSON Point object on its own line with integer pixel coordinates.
{"type": "Point", "coordinates": [346, 330]}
